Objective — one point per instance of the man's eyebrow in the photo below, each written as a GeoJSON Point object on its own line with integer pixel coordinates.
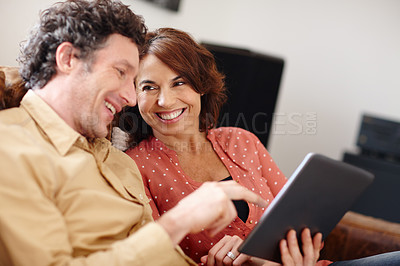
{"type": "Point", "coordinates": [176, 78]}
{"type": "Point", "coordinates": [126, 63]}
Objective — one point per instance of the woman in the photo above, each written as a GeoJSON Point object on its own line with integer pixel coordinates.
{"type": "Point", "coordinates": [179, 94]}
{"type": "Point", "coordinates": [177, 148]}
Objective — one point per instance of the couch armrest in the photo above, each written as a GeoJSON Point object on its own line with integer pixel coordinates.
{"type": "Point", "coordinates": [357, 236]}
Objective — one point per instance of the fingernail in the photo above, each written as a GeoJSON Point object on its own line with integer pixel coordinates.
{"type": "Point", "coordinates": [262, 203]}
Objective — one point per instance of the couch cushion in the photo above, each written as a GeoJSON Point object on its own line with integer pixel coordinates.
{"type": "Point", "coordinates": [2, 79]}
{"type": "Point", "coordinates": [12, 88]}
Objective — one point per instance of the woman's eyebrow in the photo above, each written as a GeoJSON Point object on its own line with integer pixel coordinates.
{"type": "Point", "coordinates": [146, 81]}
{"type": "Point", "coordinates": [176, 78]}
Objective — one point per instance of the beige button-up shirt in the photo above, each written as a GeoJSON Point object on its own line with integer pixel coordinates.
{"type": "Point", "coordinates": [67, 201]}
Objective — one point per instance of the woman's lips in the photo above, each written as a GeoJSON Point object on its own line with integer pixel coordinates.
{"type": "Point", "coordinates": [168, 116]}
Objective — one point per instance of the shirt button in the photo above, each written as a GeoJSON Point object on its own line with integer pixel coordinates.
{"type": "Point", "coordinates": [251, 221]}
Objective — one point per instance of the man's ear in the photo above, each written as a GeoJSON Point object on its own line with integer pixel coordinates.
{"type": "Point", "coordinates": [66, 57]}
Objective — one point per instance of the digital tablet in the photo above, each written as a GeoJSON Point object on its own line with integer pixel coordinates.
{"type": "Point", "coordinates": [317, 195]}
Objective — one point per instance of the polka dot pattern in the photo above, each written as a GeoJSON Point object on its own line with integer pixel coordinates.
{"type": "Point", "coordinates": [247, 161]}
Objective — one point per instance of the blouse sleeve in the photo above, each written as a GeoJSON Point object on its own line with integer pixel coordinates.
{"type": "Point", "coordinates": [270, 171]}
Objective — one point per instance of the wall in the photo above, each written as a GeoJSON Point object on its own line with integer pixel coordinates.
{"type": "Point", "coordinates": [342, 59]}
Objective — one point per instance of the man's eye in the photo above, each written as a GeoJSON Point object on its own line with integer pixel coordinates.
{"type": "Point", "coordinates": [121, 72]}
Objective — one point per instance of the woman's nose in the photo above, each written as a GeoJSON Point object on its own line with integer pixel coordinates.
{"type": "Point", "coordinates": [166, 98]}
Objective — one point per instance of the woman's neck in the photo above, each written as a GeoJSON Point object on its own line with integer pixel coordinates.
{"type": "Point", "coordinates": [193, 143]}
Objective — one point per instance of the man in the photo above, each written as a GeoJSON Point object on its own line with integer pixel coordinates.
{"type": "Point", "coordinates": [67, 197]}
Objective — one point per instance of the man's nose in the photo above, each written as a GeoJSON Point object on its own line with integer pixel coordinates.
{"type": "Point", "coordinates": [128, 94]}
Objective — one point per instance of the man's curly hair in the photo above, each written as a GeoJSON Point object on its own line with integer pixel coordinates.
{"type": "Point", "coordinates": [84, 23]}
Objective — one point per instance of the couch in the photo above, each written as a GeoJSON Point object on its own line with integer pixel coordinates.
{"type": "Point", "coordinates": [355, 236]}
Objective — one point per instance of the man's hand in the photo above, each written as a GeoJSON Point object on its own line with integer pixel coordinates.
{"type": "Point", "coordinates": [209, 208]}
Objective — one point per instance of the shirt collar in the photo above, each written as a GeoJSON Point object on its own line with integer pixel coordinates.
{"type": "Point", "coordinates": [60, 134]}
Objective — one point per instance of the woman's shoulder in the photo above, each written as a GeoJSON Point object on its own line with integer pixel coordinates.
{"type": "Point", "coordinates": [142, 148]}
{"type": "Point", "coordinates": [232, 134]}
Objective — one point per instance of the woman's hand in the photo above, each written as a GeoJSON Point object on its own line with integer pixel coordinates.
{"type": "Point", "coordinates": [218, 254]}
{"type": "Point", "coordinates": [290, 250]}
{"type": "Point", "coordinates": [291, 254]}
{"type": "Point", "coordinates": [225, 252]}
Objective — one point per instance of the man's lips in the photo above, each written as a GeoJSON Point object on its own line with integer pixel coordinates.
{"type": "Point", "coordinates": [110, 107]}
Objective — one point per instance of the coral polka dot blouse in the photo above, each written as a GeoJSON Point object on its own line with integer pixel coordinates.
{"type": "Point", "coordinates": [247, 161]}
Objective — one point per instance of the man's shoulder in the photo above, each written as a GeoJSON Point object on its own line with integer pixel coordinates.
{"type": "Point", "coordinates": [17, 127]}
{"type": "Point", "coordinates": [16, 116]}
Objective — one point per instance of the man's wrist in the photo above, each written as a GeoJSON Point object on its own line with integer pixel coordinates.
{"type": "Point", "coordinates": [174, 224]}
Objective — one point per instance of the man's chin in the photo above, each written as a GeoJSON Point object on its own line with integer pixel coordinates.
{"type": "Point", "coordinates": [97, 133]}
{"type": "Point", "coordinates": [104, 133]}
{"type": "Point", "coordinates": [103, 130]}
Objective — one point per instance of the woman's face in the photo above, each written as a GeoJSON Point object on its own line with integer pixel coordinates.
{"type": "Point", "coordinates": [166, 101]}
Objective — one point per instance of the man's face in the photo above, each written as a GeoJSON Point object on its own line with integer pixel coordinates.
{"type": "Point", "coordinates": [103, 88]}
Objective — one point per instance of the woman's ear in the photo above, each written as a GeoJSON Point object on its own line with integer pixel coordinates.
{"type": "Point", "coordinates": [65, 57]}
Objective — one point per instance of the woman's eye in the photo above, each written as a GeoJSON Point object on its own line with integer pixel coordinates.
{"type": "Point", "coordinates": [148, 88]}
{"type": "Point", "coordinates": [179, 83]}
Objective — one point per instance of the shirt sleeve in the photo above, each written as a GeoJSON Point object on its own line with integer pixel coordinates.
{"type": "Point", "coordinates": [151, 245]}
{"type": "Point", "coordinates": [33, 230]}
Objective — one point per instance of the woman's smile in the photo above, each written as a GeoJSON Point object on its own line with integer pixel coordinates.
{"type": "Point", "coordinates": [171, 116]}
